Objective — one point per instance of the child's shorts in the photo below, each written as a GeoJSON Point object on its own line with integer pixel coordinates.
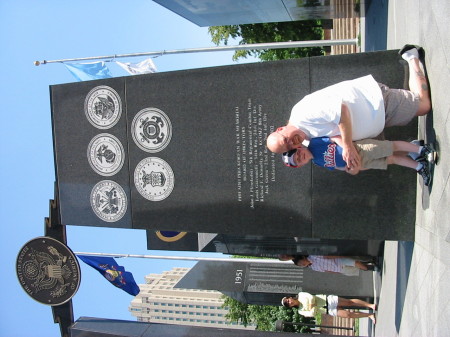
{"type": "Point", "coordinates": [374, 153]}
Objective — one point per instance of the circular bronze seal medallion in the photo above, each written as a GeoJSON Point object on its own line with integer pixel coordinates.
{"type": "Point", "coordinates": [105, 154]}
{"type": "Point", "coordinates": [108, 201]}
{"type": "Point", "coordinates": [48, 271]}
{"type": "Point", "coordinates": [103, 107]}
{"type": "Point", "coordinates": [154, 179]}
{"type": "Point", "coordinates": [151, 130]}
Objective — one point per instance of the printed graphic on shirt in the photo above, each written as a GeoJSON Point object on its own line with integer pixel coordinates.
{"type": "Point", "coordinates": [329, 156]}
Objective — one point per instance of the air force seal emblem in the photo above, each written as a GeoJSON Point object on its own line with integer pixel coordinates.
{"type": "Point", "coordinates": [151, 130]}
{"type": "Point", "coordinates": [154, 179]}
{"type": "Point", "coordinates": [103, 107]}
{"type": "Point", "coordinates": [105, 154]}
{"type": "Point", "coordinates": [108, 201]}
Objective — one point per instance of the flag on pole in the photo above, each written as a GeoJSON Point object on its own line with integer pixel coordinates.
{"type": "Point", "coordinates": [114, 273]}
{"type": "Point", "coordinates": [144, 67]}
{"type": "Point", "coordinates": [88, 71]}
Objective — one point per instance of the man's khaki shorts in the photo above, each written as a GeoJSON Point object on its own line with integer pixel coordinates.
{"type": "Point", "coordinates": [400, 105]}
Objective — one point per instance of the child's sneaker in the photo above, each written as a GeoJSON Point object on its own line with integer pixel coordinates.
{"type": "Point", "coordinates": [424, 172]}
{"type": "Point", "coordinates": [427, 153]}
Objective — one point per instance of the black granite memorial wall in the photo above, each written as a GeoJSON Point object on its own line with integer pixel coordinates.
{"type": "Point", "coordinates": [267, 283]}
{"type": "Point", "coordinates": [259, 246]}
{"type": "Point", "coordinates": [185, 151]}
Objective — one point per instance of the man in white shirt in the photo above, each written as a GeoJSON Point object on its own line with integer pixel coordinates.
{"type": "Point", "coordinates": [355, 110]}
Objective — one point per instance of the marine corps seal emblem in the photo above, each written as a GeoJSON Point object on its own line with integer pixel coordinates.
{"type": "Point", "coordinates": [154, 179]}
{"type": "Point", "coordinates": [151, 130]}
{"type": "Point", "coordinates": [105, 154]}
{"type": "Point", "coordinates": [103, 107]}
{"type": "Point", "coordinates": [48, 271]}
{"type": "Point", "coordinates": [108, 201]}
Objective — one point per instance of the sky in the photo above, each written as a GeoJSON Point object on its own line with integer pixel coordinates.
{"type": "Point", "coordinates": [33, 30]}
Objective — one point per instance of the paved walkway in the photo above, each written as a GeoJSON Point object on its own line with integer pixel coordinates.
{"type": "Point", "coordinates": [414, 292]}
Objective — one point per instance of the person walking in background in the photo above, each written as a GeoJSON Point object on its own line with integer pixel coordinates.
{"type": "Point", "coordinates": [331, 264]}
{"type": "Point", "coordinates": [309, 305]}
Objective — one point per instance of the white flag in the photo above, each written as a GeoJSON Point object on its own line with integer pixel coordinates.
{"type": "Point", "coordinates": [144, 67]}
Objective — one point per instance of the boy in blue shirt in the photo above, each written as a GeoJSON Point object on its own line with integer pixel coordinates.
{"type": "Point", "coordinates": [375, 154]}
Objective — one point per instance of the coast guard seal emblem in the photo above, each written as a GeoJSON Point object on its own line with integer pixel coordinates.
{"type": "Point", "coordinates": [105, 154]}
{"type": "Point", "coordinates": [108, 201]}
{"type": "Point", "coordinates": [103, 107]}
{"type": "Point", "coordinates": [48, 271]}
{"type": "Point", "coordinates": [151, 130]}
{"type": "Point", "coordinates": [154, 179]}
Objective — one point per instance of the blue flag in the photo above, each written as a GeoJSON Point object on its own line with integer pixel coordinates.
{"type": "Point", "coordinates": [114, 273]}
{"type": "Point", "coordinates": [88, 71]}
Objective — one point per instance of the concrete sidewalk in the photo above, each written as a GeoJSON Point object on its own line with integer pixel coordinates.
{"type": "Point", "coordinates": [414, 295]}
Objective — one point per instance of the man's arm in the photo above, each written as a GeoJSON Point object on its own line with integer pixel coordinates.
{"type": "Point", "coordinates": [349, 153]}
{"type": "Point", "coordinates": [356, 168]}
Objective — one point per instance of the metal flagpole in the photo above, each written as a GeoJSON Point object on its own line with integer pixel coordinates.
{"type": "Point", "coordinates": [185, 258]}
{"type": "Point", "coordinates": [272, 45]}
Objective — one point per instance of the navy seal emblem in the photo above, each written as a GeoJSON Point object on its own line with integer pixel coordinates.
{"type": "Point", "coordinates": [103, 107]}
{"type": "Point", "coordinates": [154, 179]}
{"type": "Point", "coordinates": [105, 154]}
{"type": "Point", "coordinates": [151, 130]}
{"type": "Point", "coordinates": [108, 201]}
{"type": "Point", "coordinates": [48, 271]}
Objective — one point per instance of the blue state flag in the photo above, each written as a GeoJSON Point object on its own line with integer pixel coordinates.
{"type": "Point", "coordinates": [88, 71]}
{"type": "Point", "coordinates": [114, 273]}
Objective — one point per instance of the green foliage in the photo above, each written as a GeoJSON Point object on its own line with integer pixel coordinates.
{"type": "Point", "coordinates": [264, 316]}
{"type": "Point", "coordinates": [271, 32]}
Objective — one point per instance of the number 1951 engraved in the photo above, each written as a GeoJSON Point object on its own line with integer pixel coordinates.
{"type": "Point", "coordinates": [238, 278]}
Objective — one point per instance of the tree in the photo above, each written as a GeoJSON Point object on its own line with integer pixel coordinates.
{"type": "Point", "coordinates": [271, 32]}
{"type": "Point", "coordinates": [263, 316]}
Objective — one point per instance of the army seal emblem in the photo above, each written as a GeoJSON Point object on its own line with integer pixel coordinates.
{"type": "Point", "coordinates": [105, 154]}
{"type": "Point", "coordinates": [48, 271]}
{"type": "Point", "coordinates": [154, 179]}
{"type": "Point", "coordinates": [103, 107]}
{"type": "Point", "coordinates": [108, 201]}
{"type": "Point", "coordinates": [151, 130]}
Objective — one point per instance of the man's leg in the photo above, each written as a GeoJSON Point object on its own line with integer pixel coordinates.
{"type": "Point", "coordinates": [417, 81]}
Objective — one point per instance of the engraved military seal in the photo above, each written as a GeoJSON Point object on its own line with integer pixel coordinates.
{"type": "Point", "coordinates": [151, 130]}
{"type": "Point", "coordinates": [105, 154]}
{"type": "Point", "coordinates": [103, 107]}
{"type": "Point", "coordinates": [48, 271]}
{"type": "Point", "coordinates": [108, 201]}
{"type": "Point", "coordinates": [154, 179]}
